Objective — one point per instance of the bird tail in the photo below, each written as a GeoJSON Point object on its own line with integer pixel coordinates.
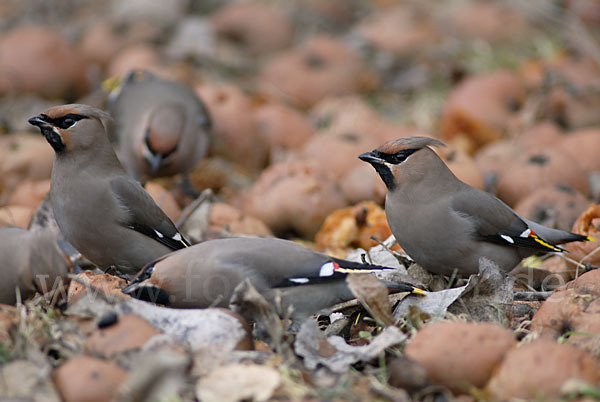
{"type": "Point", "coordinates": [556, 236]}
{"type": "Point", "coordinates": [577, 237]}
{"type": "Point", "coordinates": [566, 237]}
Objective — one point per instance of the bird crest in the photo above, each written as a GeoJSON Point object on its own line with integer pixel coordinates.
{"type": "Point", "coordinates": [392, 147]}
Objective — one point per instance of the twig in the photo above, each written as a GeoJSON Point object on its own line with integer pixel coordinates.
{"type": "Point", "coordinates": [393, 298]}
{"type": "Point", "coordinates": [187, 211]}
{"type": "Point", "coordinates": [585, 266]}
{"type": "Point", "coordinates": [345, 305]}
{"type": "Point", "coordinates": [404, 260]}
{"type": "Point", "coordinates": [588, 255]}
{"type": "Point", "coordinates": [531, 296]}
{"type": "Point", "coordinates": [335, 327]}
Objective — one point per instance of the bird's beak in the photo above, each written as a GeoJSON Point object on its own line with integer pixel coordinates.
{"type": "Point", "coordinates": [371, 158]}
{"type": "Point", "coordinates": [155, 161]}
{"type": "Point", "coordinates": [39, 121]}
{"type": "Point", "coordinates": [149, 293]}
{"type": "Point", "coordinates": [53, 137]}
{"type": "Point", "coordinates": [131, 288]}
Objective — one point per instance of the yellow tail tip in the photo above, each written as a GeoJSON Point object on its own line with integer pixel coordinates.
{"type": "Point", "coordinates": [589, 238]}
{"type": "Point", "coordinates": [419, 292]}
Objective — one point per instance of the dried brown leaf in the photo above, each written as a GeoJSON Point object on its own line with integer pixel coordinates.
{"type": "Point", "coordinates": [373, 294]}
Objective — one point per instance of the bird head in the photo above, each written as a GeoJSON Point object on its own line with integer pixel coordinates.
{"type": "Point", "coordinates": [146, 286]}
{"type": "Point", "coordinates": [403, 160]}
{"type": "Point", "coordinates": [70, 127]}
{"type": "Point", "coordinates": [163, 132]}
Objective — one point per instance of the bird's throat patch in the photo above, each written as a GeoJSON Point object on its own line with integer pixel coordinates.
{"type": "Point", "coordinates": [54, 138]}
{"type": "Point", "coordinates": [386, 175]}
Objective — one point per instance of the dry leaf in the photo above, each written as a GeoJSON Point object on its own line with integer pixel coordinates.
{"type": "Point", "coordinates": [373, 294]}
{"type": "Point", "coordinates": [250, 304]}
{"type": "Point", "coordinates": [484, 295]}
{"type": "Point", "coordinates": [238, 382]}
{"type": "Point", "coordinates": [312, 345]}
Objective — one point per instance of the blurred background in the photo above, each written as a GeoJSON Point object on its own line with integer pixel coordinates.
{"type": "Point", "coordinates": [291, 93]}
{"type": "Point", "coordinates": [297, 89]}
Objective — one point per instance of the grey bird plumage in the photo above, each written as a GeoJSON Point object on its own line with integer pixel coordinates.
{"type": "Point", "coordinates": [207, 274]}
{"type": "Point", "coordinates": [103, 212]}
{"type": "Point", "coordinates": [445, 224]}
{"type": "Point", "coordinates": [162, 127]}
{"type": "Point", "coordinates": [31, 262]}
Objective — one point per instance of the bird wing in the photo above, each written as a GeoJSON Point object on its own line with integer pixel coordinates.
{"type": "Point", "coordinates": [282, 263]}
{"type": "Point", "coordinates": [143, 215]}
{"type": "Point", "coordinates": [325, 269]}
{"type": "Point", "coordinates": [496, 222]}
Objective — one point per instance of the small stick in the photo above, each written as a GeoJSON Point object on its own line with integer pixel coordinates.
{"type": "Point", "coordinates": [187, 211]}
{"type": "Point", "coordinates": [404, 260]}
{"type": "Point", "coordinates": [532, 296]}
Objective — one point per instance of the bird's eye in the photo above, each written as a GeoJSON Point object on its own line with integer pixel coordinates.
{"type": "Point", "coordinates": [147, 273]}
{"type": "Point", "coordinates": [399, 157]}
{"type": "Point", "coordinates": [68, 120]}
{"type": "Point", "coordinates": [64, 122]}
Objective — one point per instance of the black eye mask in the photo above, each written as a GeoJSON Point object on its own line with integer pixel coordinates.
{"type": "Point", "coordinates": [398, 157]}
{"type": "Point", "coordinates": [65, 121]}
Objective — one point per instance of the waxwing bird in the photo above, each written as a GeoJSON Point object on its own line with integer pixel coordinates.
{"type": "Point", "coordinates": [161, 126]}
{"type": "Point", "coordinates": [207, 274]}
{"type": "Point", "coordinates": [101, 210]}
{"type": "Point", "coordinates": [447, 225]}
{"type": "Point", "coordinates": [31, 262]}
